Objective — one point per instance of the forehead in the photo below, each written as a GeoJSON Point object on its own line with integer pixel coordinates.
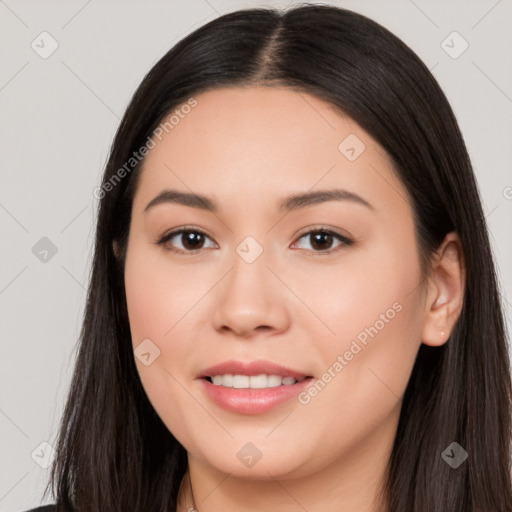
{"type": "Point", "coordinates": [244, 143]}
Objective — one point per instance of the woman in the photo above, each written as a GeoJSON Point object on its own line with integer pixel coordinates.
{"type": "Point", "coordinates": [293, 302]}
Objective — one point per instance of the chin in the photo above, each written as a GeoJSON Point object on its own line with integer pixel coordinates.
{"type": "Point", "coordinates": [255, 461]}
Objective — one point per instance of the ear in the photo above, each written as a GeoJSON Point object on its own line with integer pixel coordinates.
{"type": "Point", "coordinates": [445, 292]}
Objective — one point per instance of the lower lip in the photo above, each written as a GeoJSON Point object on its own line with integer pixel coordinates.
{"type": "Point", "coordinates": [252, 401]}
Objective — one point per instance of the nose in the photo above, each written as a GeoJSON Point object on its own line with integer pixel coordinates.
{"type": "Point", "coordinates": [251, 299]}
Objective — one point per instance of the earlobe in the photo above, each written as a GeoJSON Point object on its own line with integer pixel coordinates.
{"type": "Point", "coordinates": [115, 248]}
{"type": "Point", "coordinates": [445, 295]}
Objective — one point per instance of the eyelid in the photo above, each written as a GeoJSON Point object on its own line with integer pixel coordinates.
{"type": "Point", "coordinates": [322, 227]}
{"type": "Point", "coordinates": [176, 231]}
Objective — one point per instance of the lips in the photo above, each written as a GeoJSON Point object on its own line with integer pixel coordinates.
{"type": "Point", "coordinates": [249, 400]}
{"type": "Point", "coordinates": [251, 368]}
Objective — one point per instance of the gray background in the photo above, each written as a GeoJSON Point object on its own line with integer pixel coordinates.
{"type": "Point", "coordinates": [59, 116]}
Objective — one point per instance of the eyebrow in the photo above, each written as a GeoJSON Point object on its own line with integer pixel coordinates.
{"type": "Point", "coordinates": [290, 203]}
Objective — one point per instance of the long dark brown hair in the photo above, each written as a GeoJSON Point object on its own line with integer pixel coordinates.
{"type": "Point", "coordinates": [115, 454]}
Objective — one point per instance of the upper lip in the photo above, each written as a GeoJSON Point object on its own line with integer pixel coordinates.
{"type": "Point", "coordinates": [250, 368]}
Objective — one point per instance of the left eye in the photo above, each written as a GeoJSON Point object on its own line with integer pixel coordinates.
{"type": "Point", "coordinates": [320, 238]}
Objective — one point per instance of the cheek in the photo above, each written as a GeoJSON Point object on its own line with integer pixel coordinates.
{"type": "Point", "coordinates": [158, 295]}
{"type": "Point", "coordinates": [365, 287]}
{"type": "Point", "coordinates": [158, 299]}
{"type": "Point", "coordinates": [371, 309]}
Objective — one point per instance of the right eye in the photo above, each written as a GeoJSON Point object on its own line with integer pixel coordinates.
{"type": "Point", "coordinates": [191, 239]}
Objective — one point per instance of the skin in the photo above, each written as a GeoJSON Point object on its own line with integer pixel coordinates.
{"type": "Point", "coordinates": [247, 149]}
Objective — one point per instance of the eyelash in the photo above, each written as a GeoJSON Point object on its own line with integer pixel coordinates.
{"type": "Point", "coordinates": [190, 229]}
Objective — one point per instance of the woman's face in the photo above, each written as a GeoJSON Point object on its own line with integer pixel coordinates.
{"type": "Point", "coordinates": [328, 287]}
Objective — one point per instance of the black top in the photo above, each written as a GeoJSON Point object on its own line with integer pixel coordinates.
{"type": "Point", "coordinates": [45, 508]}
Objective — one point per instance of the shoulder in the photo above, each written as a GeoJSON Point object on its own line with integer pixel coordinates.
{"type": "Point", "coordinates": [45, 508]}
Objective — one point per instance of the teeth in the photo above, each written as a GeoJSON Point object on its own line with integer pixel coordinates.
{"type": "Point", "coordinates": [253, 381]}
